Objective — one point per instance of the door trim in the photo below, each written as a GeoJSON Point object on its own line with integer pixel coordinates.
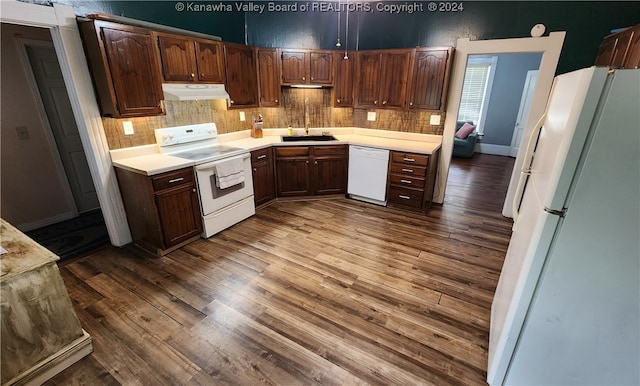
{"type": "Point", "coordinates": [530, 74]}
{"type": "Point", "coordinates": [550, 46]}
{"type": "Point", "coordinates": [48, 132]}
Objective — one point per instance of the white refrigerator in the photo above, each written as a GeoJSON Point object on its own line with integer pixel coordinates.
{"type": "Point", "coordinates": [567, 305]}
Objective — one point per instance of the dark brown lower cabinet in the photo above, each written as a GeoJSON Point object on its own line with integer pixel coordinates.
{"type": "Point", "coordinates": [163, 210]}
{"type": "Point", "coordinates": [262, 165]}
{"type": "Point", "coordinates": [311, 170]}
{"type": "Point", "coordinates": [411, 180]}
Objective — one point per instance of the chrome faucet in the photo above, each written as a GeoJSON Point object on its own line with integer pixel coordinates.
{"type": "Point", "coordinates": [306, 115]}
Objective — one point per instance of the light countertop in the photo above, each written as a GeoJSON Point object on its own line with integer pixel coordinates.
{"type": "Point", "coordinates": [147, 160]}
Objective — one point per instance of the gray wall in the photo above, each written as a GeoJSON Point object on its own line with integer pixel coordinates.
{"type": "Point", "coordinates": [504, 101]}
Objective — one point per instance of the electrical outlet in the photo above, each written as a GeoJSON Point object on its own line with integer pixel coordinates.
{"type": "Point", "coordinates": [23, 133]}
{"type": "Point", "coordinates": [434, 120]}
{"type": "Point", "coordinates": [371, 116]}
{"type": "Point", "coordinates": [242, 116]}
{"type": "Point", "coordinates": [128, 127]}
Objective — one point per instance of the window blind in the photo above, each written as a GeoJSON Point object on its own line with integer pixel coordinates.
{"type": "Point", "coordinates": [473, 92]}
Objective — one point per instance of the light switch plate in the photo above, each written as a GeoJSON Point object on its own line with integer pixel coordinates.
{"type": "Point", "coordinates": [434, 120]}
{"type": "Point", "coordinates": [242, 116]}
{"type": "Point", "coordinates": [128, 127]}
{"type": "Point", "coordinates": [371, 116]}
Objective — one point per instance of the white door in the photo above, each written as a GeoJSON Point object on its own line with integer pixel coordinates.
{"type": "Point", "coordinates": [54, 96]}
{"type": "Point", "coordinates": [523, 111]}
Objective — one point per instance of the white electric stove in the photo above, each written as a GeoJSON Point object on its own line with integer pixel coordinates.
{"type": "Point", "coordinates": [220, 207]}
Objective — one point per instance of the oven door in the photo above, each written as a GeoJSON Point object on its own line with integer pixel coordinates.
{"type": "Point", "coordinates": [212, 198]}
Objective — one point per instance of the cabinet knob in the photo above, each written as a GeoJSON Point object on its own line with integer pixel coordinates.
{"type": "Point", "coordinates": [276, 101]}
{"type": "Point", "coordinates": [375, 102]}
{"type": "Point", "coordinates": [410, 103]}
{"type": "Point", "coordinates": [193, 75]}
{"type": "Point", "coordinates": [255, 170]}
{"type": "Point", "coordinates": [316, 162]}
{"type": "Point", "coordinates": [304, 78]}
{"type": "Point", "coordinates": [231, 102]}
{"type": "Point", "coordinates": [202, 75]}
{"type": "Point", "coordinates": [338, 100]}
{"type": "Point", "coordinates": [307, 162]}
{"type": "Point", "coordinates": [312, 78]}
{"type": "Point", "coordinates": [384, 102]}
{"type": "Point", "coordinates": [193, 190]}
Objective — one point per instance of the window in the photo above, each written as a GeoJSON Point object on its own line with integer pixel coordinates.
{"type": "Point", "coordinates": [476, 89]}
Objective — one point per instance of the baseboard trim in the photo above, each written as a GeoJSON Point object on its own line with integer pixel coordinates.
{"type": "Point", "coordinates": [55, 363]}
{"type": "Point", "coordinates": [487, 148]}
{"type": "Point", "coordinates": [29, 226]}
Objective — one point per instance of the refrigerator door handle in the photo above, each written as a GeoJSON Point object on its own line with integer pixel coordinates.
{"type": "Point", "coordinates": [526, 170]}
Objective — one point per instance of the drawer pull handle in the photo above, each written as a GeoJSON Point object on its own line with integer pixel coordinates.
{"type": "Point", "coordinates": [176, 180]}
{"type": "Point", "coordinates": [405, 181]}
{"type": "Point", "coordinates": [409, 160]}
{"type": "Point", "coordinates": [407, 170]}
{"type": "Point", "coordinates": [262, 156]}
{"type": "Point", "coordinates": [404, 197]}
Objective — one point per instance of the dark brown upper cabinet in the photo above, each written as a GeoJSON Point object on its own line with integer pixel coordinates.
{"type": "Point", "coordinates": [191, 60]}
{"type": "Point", "coordinates": [269, 91]}
{"type": "Point", "coordinates": [242, 75]}
{"type": "Point", "coordinates": [125, 67]}
{"type": "Point", "coordinates": [344, 71]}
{"type": "Point", "coordinates": [313, 67]}
{"type": "Point", "coordinates": [429, 78]}
{"type": "Point", "coordinates": [381, 78]}
{"type": "Point", "coordinates": [620, 50]}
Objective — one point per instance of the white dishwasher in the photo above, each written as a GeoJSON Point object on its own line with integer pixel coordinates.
{"type": "Point", "coordinates": [368, 174]}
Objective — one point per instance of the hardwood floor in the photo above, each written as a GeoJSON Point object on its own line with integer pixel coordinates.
{"type": "Point", "coordinates": [333, 292]}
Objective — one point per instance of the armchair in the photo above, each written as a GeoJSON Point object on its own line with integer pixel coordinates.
{"type": "Point", "coordinates": [464, 147]}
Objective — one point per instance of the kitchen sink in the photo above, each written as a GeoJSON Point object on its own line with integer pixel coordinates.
{"type": "Point", "coordinates": [297, 138]}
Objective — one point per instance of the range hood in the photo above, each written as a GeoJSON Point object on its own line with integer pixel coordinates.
{"type": "Point", "coordinates": [194, 91]}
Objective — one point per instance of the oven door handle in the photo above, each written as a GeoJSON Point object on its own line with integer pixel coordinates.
{"type": "Point", "coordinates": [212, 164]}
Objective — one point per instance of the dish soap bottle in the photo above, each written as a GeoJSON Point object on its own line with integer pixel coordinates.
{"type": "Point", "coordinates": [290, 131]}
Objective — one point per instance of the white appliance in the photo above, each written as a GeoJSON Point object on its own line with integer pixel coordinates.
{"type": "Point", "coordinates": [567, 305]}
{"type": "Point", "coordinates": [220, 207]}
{"type": "Point", "coordinates": [367, 179]}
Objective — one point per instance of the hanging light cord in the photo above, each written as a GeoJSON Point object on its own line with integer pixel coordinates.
{"type": "Point", "coordinates": [338, 43]}
{"type": "Point", "coordinates": [346, 33]}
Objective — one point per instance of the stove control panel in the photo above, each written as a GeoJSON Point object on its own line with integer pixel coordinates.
{"type": "Point", "coordinates": [185, 134]}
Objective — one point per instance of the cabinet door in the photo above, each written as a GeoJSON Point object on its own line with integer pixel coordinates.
{"type": "Point", "coordinates": [605, 51]}
{"type": "Point", "coordinates": [269, 77]}
{"type": "Point", "coordinates": [209, 61]}
{"type": "Point", "coordinates": [330, 165]}
{"type": "Point", "coordinates": [343, 89]}
{"type": "Point", "coordinates": [368, 66]}
{"type": "Point", "coordinates": [177, 56]}
{"type": "Point", "coordinates": [620, 50]}
{"type": "Point", "coordinates": [321, 67]}
{"type": "Point", "coordinates": [395, 74]}
{"type": "Point", "coordinates": [179, 213]}
{"type": "Point", "coordinates": [134, 68]}
{"type": "Point", "coordinates": [295, 66]}
{"type": "Point", "coordinates": [428, 79]}
{"type": "Point", "coordinates": [632, 59]}
{"type": "Point", "coordinates": [263, 176]}
{"type": "Point", "coordinates": [242, 79]}
{"type": "Point", "coordinates": [292, 171]}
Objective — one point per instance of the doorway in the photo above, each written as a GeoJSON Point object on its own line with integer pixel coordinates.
{"type": "Point", "coordinates": [550, 47]}
{"type": "Point", "coordinates": [53, 95]}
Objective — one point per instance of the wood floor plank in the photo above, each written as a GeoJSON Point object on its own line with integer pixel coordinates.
{"type": "Point", "coordinates": [324, 292]}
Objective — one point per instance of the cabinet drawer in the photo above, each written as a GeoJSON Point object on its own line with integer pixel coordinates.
{"type": "Point", "coordinates": [261, 155]}
{"type": "Point", "coordinates": [171, 179]}
{"type": "Point", "coordinates": [408, 170]}
{"type": "Point", "coordinates": [330, 150]}
{"type": "Point", "coordinates": [396, 179]}
{"type": "Point", "coordinates": [410, 158]}
{"type": "Point", "coordinates": [404, 196]}
{"type": "Point", "coordinates": [293, 151]}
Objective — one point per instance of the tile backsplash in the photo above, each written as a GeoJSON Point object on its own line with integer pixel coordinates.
{"type": "Point", "coordinates": [321, 114]}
